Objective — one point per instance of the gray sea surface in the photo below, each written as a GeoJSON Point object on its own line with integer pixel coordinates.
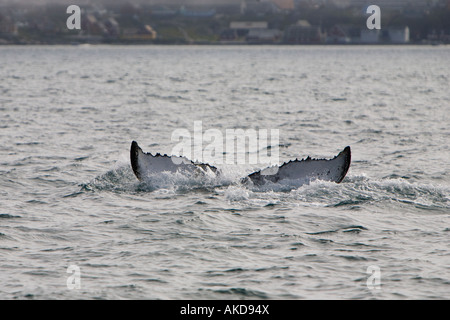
{"type": "Point", "coordinates": [68, 196]}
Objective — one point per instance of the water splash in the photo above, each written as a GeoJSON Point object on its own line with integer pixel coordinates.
{"type": "Point", "coordinates": [353, 193]}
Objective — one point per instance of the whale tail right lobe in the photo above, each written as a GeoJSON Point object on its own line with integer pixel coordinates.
{"type": "Point", "coordinates": [306, 170]}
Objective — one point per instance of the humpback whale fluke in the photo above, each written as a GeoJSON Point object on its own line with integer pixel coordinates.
{"type": "Point", "coordinates": [144, 164]}
{"type": "Point", "coordinates": [304, 171]}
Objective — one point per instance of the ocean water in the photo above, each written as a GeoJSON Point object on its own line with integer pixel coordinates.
{"type": "Point", "coordinates": [68, 196]}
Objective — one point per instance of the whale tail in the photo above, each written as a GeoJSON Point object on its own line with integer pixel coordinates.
{"type": "Point", "coordinates": [144, 164]}
{"type": "Point", "coordinates": [304, 171]}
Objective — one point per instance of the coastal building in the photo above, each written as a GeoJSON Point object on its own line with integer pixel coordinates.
{"type": "Point", "coordinates": [248, 30]}
{"type": "Point", "coordinates": [303, 33]}
{"type": "Point", "coordinates": [264, 36]}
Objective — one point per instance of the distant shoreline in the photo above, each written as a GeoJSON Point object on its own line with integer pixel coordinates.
{"type": "Point", "coordinates": [225, 44]}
